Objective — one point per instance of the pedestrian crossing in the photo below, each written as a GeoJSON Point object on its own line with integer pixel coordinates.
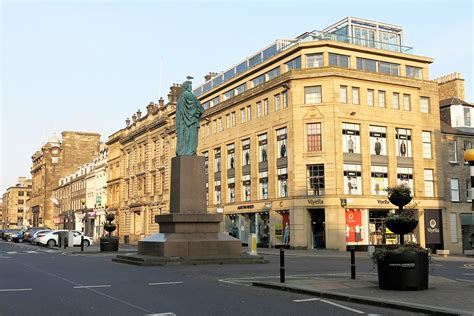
{"type": "Point", "coordinates": [8, 254]}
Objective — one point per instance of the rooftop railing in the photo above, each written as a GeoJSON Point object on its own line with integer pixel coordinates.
{"type": "Point", "coordinates": [282, 45]}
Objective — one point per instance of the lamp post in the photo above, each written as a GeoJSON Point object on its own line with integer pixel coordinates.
{"type": "Point", "coordinates": [469, 157]}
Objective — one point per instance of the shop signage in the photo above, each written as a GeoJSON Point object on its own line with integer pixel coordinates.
{"type": "Point", "coordinates": [383, 202]}
{"type": "Point", "coordinates": [98, 200]}
{"type": "Point", "coordinates": [404, 265]}
{"type": "Point", "coordinates": [433, 222]}
{"type": "Point", "coordinates": [315, 201]}
{"type": "Point", "coordinates": [245, 207]}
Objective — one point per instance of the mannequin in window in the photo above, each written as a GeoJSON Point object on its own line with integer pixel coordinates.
{"type": "Point", "coordinates": [218, 165]}
{"type": "Point", "coordinates": [264, 154]}
{"type": "Point", "coordinates": [403, 149]}
{"type": "Point", "coordinates": [350, 145]}
{"type": "Point", "coordinates": [349, 185]}
{"type": "Point", "coordinates": [377, 189]}
{"type": "Point", "coordinates": [377, 147]}
{"type": "Point", "coordinates": [232, 162]}
{"type": "Point", "coordinates": [247, 158]}
{"type": "Point", "coordinates": [283, 150]}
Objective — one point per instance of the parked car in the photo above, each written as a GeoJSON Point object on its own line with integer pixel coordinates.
{"type": "Point", "coordinates": [8, 234]}
{"type": "Point", "coordinates": [51, 238]}
{"type": "Point", "coordinates": [1, 232]}
{"type": "Point", "coordinates": [29, 232]}
{"type": "Point", "coordinates": [19, 236]}
{"type": "Point", "coordinates": [34, 238]}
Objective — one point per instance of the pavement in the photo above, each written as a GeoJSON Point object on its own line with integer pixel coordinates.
{"type": "Point", "coordinates": [444, 296]}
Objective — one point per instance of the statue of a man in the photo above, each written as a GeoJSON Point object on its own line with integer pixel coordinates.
{"type": "Point", "coordinates": [188, 114]}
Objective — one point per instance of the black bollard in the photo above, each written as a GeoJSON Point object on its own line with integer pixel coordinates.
{"type": "Point", "coordinates": [82, 242]}
{"type": "Point", "coordinates": [353, 263]}
{"type": "Point", "coordinates": [60, 245]}
{"type": "Point", "coordinates": [282, 265]}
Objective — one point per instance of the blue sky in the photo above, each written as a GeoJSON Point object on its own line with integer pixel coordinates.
{"type": "Point", "coordinates": [88, 65]}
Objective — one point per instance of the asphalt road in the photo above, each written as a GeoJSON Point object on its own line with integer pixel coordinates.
{"type": "Point", "coordinates": [39, 281]}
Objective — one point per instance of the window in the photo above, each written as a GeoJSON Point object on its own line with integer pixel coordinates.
{"type": "Point", "coordinates": [258, 81]}
{"type": "Point", "coordinates": [227, 121]}
{"type": "Point", "coordinates": [352, 179]}
{"type": "Point", "coordinates": [315, 179]}
{"type": "Point", "coordinates": [370, 97]}
{"type": "Point", "coordinates": [426, 137]}
{"type": "Point", "coordinates": [429, 183]}
{"type": "Point", "coordinates": [21, 193]}
{"type": "Point", "coordinates": [249, 113]}
{"type": "Point", "coordinates": [338, 60]}
{"type": "Point", "coordinates": [389, 68]}
{"type": "Point", "coordinates": [403, 142]}
{"type": "Point", "coordinates": [314, 60]}
{"type": "Point", "coordinates": [454, 227]}
{"type": "Point", "coordinates": [214, 102]}
{"type": "Point", "coordinates": [214, 126]}
{"type": "Point", "coordinates": [314, 136]}
{"type": "Point", "coordinates": [378, 140]}
{"type": "Point", "coordinates": [379, 176]}
{"type": "Point", "coordinates": [468, 191]}
{"type": "Point", "coordinates": [455, 190]}
{"type": "Point", "coordinates": [467, 116]}
{"type": "Point", "coordinates": [20, 201]}
{"type": "Point", "coordinates": [246, 152]}
{"type": "Point", "coordinates": [230, 156]}
{"type": "Point", "coordinates": [229, 94]}
{"type": "Point", "coordinates": [414, 72]}
{"type": "Point", "coordinates": [240, 89]}
{"type": "Point", "coordinates": [273, 73]}
{"type": "Point", "coordinates": [406, 102]}
{"type": "Point", "coordinates": [355, 95]}
{"type": "Point", "coordinates": [265, 107]}
{"type": "Point", "coordinates": [425, 105]}
{"type": "Point", "coordinates": [263, 180]}
{"type": "Point", "coordinates": [262, 148]}
{"type": "Point", "coordinates": [217, 160]}
{"type": "Point", "coordinates": [277, 102]}
{"type": "Point", "coordinates": [294, 64]}
{"type": "Point", "coordinates": [259, 109]}
{"type": "Point", "coordinates": [350, 138]}
{"type": "Point", "coordinates": [281, 143]}
{"type": "Point", "coordinates": [231, 190]}
{"type": "Point", "coordinates": [396, 100]}
{"type": "Point", "coordinates": [453, 156]}
{"type": "Point", "coordinates": [217, 191]}
{"type": "Point", "coordinates": [405, 177]}
{"type": "Point", "coordinates": [246, 188]}
{"type": "Point", "coordinates": [242, 116]}
{"type": "Point", "coordinates": [367, 64]}
{"type": "Point", "coordinates": [282, 182]}
{"type": "Point", "coordinates": [467, 145]}
{"type": "Point", "coordinates": [343, 94]}
{"type": "Point", "coordinates": [381, 99]}
{"type": "Point", "coordinates": [284, 97]}
{"type": "Point", "coordinates": [206, 162]}
{"type": "Point", "coordinates": [234, 119]}
{"type": "Point", "coordinates": [219, 122]}
{"type": "Point", "coordinates": [312, 95]}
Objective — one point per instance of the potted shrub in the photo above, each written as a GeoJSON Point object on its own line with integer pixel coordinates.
{"type": "Point", "coordinates": [109, 242]}
{"type": "Point", "coordinates": [401, 267]}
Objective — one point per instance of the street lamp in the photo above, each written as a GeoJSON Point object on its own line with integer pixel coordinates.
{"type": "Point", "coordinates": [469, 157]}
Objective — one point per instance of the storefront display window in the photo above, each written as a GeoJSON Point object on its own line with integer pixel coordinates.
{"type": "Point", "coordinates": [263, 185]}
{"type": "Point", "coordinates": [356, 227]}
{"type": "Point", "coordinates": [352, 179]}
{"type": "Point", "coordinates": [217, 160]}
{"type": "Point", "coordinates": [246, 188]}
{"type": "Point", "coordinates": [281, 143]}
{"type": "Point", "coordinates": [246, 152]}
{"type": "Point", "coordinates": [403, 142]}
{"type": "Point", "coordinates": [282, 182]}
{"type": "Point", "coordinates": [217, 191]}
{"type": "Point", "coordinates": [351, 138]}
{"type": "Point", "coordinates": [230, 156]}
{"type": "Point", "coordinates": [378, 140]}
{"type": "Point", "coordinates": [231, 190]}
{"type": "Point", "coordinates": [379, 180]}
{"type": "Point", "coordinates": [262, 148]}
{"type": "Point", "coordinates": [405, 176]}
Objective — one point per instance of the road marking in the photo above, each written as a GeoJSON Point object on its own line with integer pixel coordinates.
{"type": "Point", "coordinates": [468, 274]}
{"type": "Point", "coordinates": [164, 283]}
{"type": "Point", "coordinates": [14, 290]}
{"type": "Point", "coordinates": [236, 283]}
{"type": "Point", "coordinates": [307, 300]}
{"type": "Point", "coordinates": [342, 306]}
{"type": "Point", "coordinates": [468, 266]}
{"type": "Point", "coordinates": [31, 251]}
{"type": "Point", "coordinates": [90, 286]}
{"type": "Point", "coordinates": [11, 252]}
{"type": "Point", "coordinates": [162, 314]}
{"type": "Point", "coordinates": [464, 280]}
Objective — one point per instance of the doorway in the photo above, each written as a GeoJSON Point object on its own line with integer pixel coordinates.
{"type": "Point", "coordinates": [318, 228]}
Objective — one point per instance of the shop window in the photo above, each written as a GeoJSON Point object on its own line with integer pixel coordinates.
{"type": "Point", "coordinates": [352, 179]}
{"type": "Point", "coordinates": [206, 162]}
{"type": "Point", "coordinates": [231, 190]}
{"type": "Point", "coordinates": [405, 177]}
{"type": "Point", "coordinates": [315, 179]}
{"type": "Point", "coordinates": [217, 160]}
{"type": "Point", "coordinates": [379, 176]}
{"type": "Point", "coordinates": [246, 152]}
{"type": "Point", "coordinates": [351, 138]}
{"type": "Point", "coordinates": [263, 179]}
{"type": "Point", "coordinates": [282, 142]}
{"type": "Point", "coordinates": [230, 156]}
{"type": "Point", "coordinates": [217, 191]}
{"type": "Point", "coordinates": [403, 142]}
{"type": "Point", "coordinates": [378, 140]}
{"type": "Point", "coordinates": [246, 195]}
{"type": "Point", "coordinates": [282, 182]}
{"type": "Point", "coordinates": [262, 148]}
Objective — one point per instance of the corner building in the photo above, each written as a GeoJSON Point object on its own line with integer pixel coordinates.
{"type": "Point", "coordinates": [309, 132]}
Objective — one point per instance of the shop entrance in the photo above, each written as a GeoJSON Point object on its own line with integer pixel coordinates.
{"type": "Point", "coordinates": [318, 228]}
{"type": "Point", "coordinates": [467, 231]}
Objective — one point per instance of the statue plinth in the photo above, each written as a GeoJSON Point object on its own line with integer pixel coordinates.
{"type": "Point", "coordinates": [189, 231]}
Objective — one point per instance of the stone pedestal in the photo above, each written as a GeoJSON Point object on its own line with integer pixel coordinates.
{"type": "Point", "coordinates": [189, 231]}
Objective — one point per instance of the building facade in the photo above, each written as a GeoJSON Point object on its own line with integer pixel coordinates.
{"type": "Point", "coordinates": [14, 206]}
{"type": "Point", "coordinates": [53, 161]}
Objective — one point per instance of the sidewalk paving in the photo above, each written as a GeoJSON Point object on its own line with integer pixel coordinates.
{"type": "Point", "coordinates": [443, 297]}
{"type": "Point", "coordinates": [95, 249]}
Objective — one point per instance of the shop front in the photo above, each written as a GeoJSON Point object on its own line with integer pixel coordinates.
{"type": "Point", "coordinates": [467, 232]}
{"type": "Point", "coordinates": [242, 225]}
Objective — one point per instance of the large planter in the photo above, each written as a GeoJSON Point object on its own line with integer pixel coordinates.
{"type": "Point", "coordinates": [109, 244]}
{"type": "Point", "coordinates": [399, 200]}
{"type": "Point", "coordinates": [401, 227]}
{"type": "Point", "coordinates": [403, 271]}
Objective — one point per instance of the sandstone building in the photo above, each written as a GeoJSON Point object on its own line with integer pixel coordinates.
{"type": "Point", "coordinates": [54, 160]}
{"type": "Point", "coordinates": [14, 204]}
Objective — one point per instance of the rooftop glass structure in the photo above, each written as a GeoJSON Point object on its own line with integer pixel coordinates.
{"type": "Point", "coordinates": [349, 30]}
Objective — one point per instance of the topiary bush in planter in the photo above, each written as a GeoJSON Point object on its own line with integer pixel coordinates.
{"type": "Point", "coordinates": [109, 242]}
